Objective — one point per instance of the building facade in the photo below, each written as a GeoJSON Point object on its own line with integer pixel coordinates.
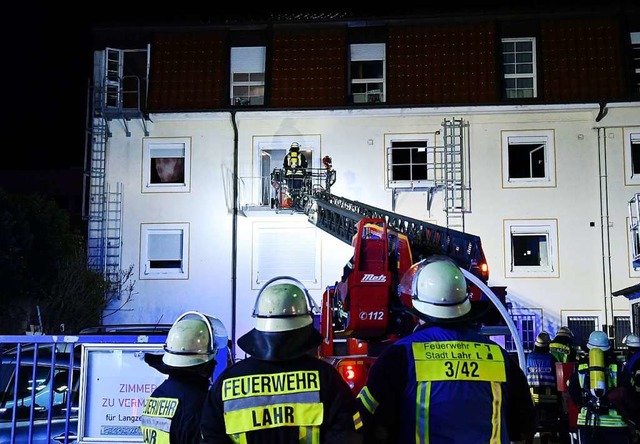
{"type": "Point", "coordinates": [521, 127]}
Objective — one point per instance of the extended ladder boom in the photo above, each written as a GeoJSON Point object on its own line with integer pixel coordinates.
{"type": "Point", "coordinates": [338, 216]}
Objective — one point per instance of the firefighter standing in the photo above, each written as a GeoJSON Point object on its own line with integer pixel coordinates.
{"type": "Point", "coordinates": [446, 382]}
{"type": "Point", "coordinates": [282, 393]}
{"type": "Point", "coordinates": [541, 376]}
{"type": "Point", "coordinates": [562, 347]}
{"type": "Point", "coordinates": [171, 415]}
{"type": "Point", "coordinates": [295, 168]}
{"type": "Point", "coordinates": [597, 374]}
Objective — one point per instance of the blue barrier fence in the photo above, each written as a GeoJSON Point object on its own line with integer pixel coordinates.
{"type": "Point", "coordinates": [41, 383]}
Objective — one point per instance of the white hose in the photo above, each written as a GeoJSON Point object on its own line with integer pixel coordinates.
{"type": "Point", "coordinates": [505, 315]}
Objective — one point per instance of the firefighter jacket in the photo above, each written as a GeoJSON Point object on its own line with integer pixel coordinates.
{"type": "Point", "coordinates": [171, 415]}
{"type": "Point", "coordinates": [562, 349]}
{"type": "Point", "coordinates": [302, 400]}
{"type": "Point", "coordinates": [295, 164]}
{"type": "Point", "coordinates": [541, 377]}
{"type": "Point", "coordinates": [446, 385]}
{"type": "Point", "coordinates": [597, 412]}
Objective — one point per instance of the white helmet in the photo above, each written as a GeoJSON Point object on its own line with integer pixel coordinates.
{"type": "Point", "coordinates": [631, 340]}
{"type": "Point", "coordinates": [438, 288]}
{"type": "Point", "coordinates": [598, 339]}
{"type": "Point", "coordinates": [283, 304]}
{"type": "Point", "coordinates": [193, 339]}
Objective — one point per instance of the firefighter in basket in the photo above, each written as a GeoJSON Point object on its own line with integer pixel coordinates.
{"type": "Point", "coordinates": [295, 169]}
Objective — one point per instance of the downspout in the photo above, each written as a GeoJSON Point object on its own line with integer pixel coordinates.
{"type": "Point", "coordinates": [234, 236]}
{"type": "Point", "coordinates": [605, 230]}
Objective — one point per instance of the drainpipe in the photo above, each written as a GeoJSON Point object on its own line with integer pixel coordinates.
{"type": "Point", "coordinates": [605, 231]}
{"type": "Point", "coordinates": [234, 236]}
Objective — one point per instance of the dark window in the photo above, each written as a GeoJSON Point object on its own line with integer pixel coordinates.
{"type": "Point", "coordinates": [526, 160]}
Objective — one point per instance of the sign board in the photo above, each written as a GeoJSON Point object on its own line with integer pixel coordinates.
{"type": "Point", "coordinates": [115, 382]}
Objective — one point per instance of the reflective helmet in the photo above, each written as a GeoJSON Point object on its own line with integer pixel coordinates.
{"type": "Point", "coordinates": [543, 339]}
{"type": "Point", "coordinates": [283, 304]}
{"type": "Point", "coordinates": [631, 340]}
{"type": "Point", "coordinates": [193, 340]}
{"type": "Point", "coordinates": [295, 146]}
{"type": "Point", "coordinates": [438, 288]}
{"type": "Point", "coordinates": [564, 331]}
{"type": "Point", "coordinates": [598, 339]}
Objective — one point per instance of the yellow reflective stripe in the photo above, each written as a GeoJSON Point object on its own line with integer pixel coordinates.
{"type": "Point", "coordinates": [458, 361]}
{"type": "Point", "coordinates": [423, 399]}
{"type": "Point", "coordinates": [275, 415]}
{"type": "Point", "coordinates": [154, 436]}
{"type": "Point", "coordinates": [309, 435]}
{"type": "Point", "coordinates": [496, 415]}
{"type": "Point", "coordinates": [367, 400]}
{"type": "Point", "coordinates": [270, 384]}
{"type": "Point", "coordinates": [357, 421]}
{"type": "Point", "coordinates": [160, 407]}
{"type": "Point", "coordinates": [239, 438]}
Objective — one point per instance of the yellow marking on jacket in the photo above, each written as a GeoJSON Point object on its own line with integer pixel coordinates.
{"type": "Point", "coordinates": [274, 415]}
{"type": "Point", "coordinates": [458, 361]}
{"type": "Point", "coordinates": [270, 384]}
{"type": "Point", "coordinates": [162, 407]}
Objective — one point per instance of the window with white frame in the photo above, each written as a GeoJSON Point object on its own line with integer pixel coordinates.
{"type": "Point", "coordinates": [270, 152]}
{"type": "Point", "coordinates": [531, 248]}
{"type": "Point", "coordinates": [248, 75]}
{"type": "Point", "coordinates": [166, 165]}
{"type": "Point", "coordinates": [581, 327]}
{"type": "Point", "coordinates": [289, 249]}
{"type": "Point", "coordinates": [528, 159]}
{"type": "Point", "coordinates": [411, 160]}
{"type": "Point", "coordinates": [164, 251]}
{"type": "Point", "coordinates": [632, 155]}
{"type": "Point", "coordinates": [368, 68]}
{"type": "Point", "coordinates": [519, 67]}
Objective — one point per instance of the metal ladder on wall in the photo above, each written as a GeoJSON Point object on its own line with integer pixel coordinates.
{"type": "Point", "coordinates": [457, 191]}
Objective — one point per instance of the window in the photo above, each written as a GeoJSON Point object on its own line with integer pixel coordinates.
{"type": "Point", "coordinates": [166, 165]}
{"type": "Point", "coordinates": [531, 248]}
{"type": "Point", "coordinates": [247, 75]}
{"type": "Point", "coordinates": [411, 160]}
{"type": "Point", "coordinates": [581, 327]}
{"type": "Point", "coordinates": [526, 324]}
{"type": "Point", "coordinates": [519, 66]}
{"type": "Point", "coordinates": [528, 159]}
{"type": "Point", "coordinates": [632, 156]}
{"type": "Point", "coordinates": [269, 155]}
{"type": "Point", "coordinates": [290, 249]}
{"type": "Point", "coordinates": [164, 251]}
{"type": "Point", "coordinates": [622, 326]}
{"type": "Point", "coordinates": [368, 73]}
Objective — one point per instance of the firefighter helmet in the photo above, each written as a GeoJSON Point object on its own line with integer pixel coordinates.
{"type": "Point", "coordinates": [543, 339]}
{"type": "Point", "coordinates": [284, 313]}
{"type": "Point", "coordinates": [598, 339]}
{"type": "Point", "coordinates": [438, 288]}
{"type": "Point", "coordinates": [193, 340]}
{"type": "Point", "coordinates": [295, 146]}
{"type": "Point", "coordinates": [283, 304]}
{"type": "Point", "coordinates": [564, 332]}
{"type": "Point", "coordinates": [631, 340]}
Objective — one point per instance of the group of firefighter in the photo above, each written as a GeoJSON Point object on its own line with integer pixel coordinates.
{"type": "Point", "coordinates": [444, 383]}
{"type": "Point", "coordinates": [589, 391]}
